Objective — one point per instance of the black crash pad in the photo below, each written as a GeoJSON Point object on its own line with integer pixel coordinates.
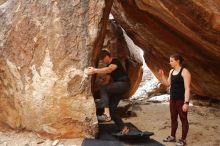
{"type": "Point", "coordinates": [134, 133]}
{"type": "Point", "coordinates": [98, 142]}
{"type": "Point", "coordinates": [109, 136]}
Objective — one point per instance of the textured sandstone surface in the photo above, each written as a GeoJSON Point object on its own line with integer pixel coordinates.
{"type": "Point", "coordinates": [44, 47]}
{"type": "Point", "coordinates": [190, 28]}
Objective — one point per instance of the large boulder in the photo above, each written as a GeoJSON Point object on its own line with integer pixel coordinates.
{"type": "Point", "coordinates": [188, 27]}
{"type": "Point", "coordinates": [44, 48]}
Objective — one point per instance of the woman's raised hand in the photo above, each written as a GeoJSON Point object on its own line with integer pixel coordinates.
{"type": "Point", "coordinates": [161, 73]}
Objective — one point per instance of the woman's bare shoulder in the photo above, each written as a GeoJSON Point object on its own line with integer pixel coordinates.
{"type": "Point", "coordinates": [185, 71]}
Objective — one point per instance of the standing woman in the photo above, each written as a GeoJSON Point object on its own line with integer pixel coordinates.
{"type": "Point", "coordinates": [179, 81]}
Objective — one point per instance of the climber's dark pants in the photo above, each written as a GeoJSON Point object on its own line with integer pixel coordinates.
{"type": "Point", "coordinates": [111, 95]}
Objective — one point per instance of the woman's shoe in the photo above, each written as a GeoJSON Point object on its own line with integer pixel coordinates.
{"type": "Point", "coordinates": [169, 139]}
{"type": "Point", "coordinates": [181, 142]}
{"type": "Point", "coordinates": [104, 118]}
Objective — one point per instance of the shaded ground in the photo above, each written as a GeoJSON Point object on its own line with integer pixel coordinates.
{"type": "Point", "coordinates": [154, 117]}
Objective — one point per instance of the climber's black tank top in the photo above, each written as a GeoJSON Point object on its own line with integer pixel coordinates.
{"type": "Point", "coordinates": [119, 74]}
{"type": "Point", "coordinates": [177, 89]}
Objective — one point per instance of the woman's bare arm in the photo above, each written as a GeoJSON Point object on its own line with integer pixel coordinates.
{"type": "Point", "coordinates": [187, 80]}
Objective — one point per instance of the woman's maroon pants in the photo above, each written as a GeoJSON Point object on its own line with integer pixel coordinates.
{"type": "Point", "coordinates": [175, 110]}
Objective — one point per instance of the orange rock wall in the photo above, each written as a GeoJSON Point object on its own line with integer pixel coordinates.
{"type": "Point", "coordinates": [190, 28]}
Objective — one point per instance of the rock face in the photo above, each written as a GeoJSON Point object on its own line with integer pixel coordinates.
{"type": "Point", "coordinates": [44, 48]}
{"type": "Point", "coordinates": [190, 28]}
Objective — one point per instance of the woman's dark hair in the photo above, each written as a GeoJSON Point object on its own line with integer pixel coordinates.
{"type": "Point", "coordinates": [104, 53]}
{"type": "Point", "coordinates": [180, 58]}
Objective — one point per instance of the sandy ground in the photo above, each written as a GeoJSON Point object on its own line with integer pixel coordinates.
{"type": "Point", "coordinates": [204, 123]}
{"type": "Point", "coordinates": [154, 117]}
{"type": "Point", "coordinates": [31, 139]}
